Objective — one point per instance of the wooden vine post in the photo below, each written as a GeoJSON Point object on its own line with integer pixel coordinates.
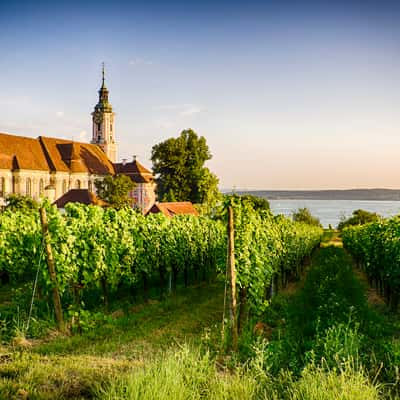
{"type": "Point", "coordinates": [52, 270]}
{"type": "Point", "coordinates": [232, 278]}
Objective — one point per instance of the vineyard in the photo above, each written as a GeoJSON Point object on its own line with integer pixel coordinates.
{"type": "Point", "coordinates": [144, 302]}
{"type": "Point", "coordinates": [376, 248]}
{"type": "Point", "coordinates": [100, 253]}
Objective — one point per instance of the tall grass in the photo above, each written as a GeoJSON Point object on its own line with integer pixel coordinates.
{"type": "Point", "coordinates": [183, 375]}
{"type": "Point", "coordinates": [189, 375]}
{"type": "Point", "coordinates": [347, 383]}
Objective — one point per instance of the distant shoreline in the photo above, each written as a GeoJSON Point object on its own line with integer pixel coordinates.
{"type": "Point", "coordinates": [347, 194]}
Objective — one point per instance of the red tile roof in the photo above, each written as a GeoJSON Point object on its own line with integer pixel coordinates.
{"type": "Point", "coordinates": [19, 152]}
{"type": "Point", "coordinates": [174, 208]}
{"type": "Point", "coordinates": [65, 155]}
{"type": "Point", "coordinates": [136, 171]}
{"type": "Point", "coordinates": [79, 196]}
{"type": "Point", "coordinates": [51, 154]}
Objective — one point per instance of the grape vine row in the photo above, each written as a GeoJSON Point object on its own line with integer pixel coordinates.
{"type": "Point", "coordinates": [99, 250]}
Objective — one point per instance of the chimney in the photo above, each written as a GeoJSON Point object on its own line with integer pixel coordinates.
{"type": "Point", "coordinates": [124, 160]}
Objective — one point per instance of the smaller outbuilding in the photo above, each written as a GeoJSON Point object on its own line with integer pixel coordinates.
{"type": "Point", "coordinates": [83, 196]}
{"type": "Point", "coordinates": [174, 208]}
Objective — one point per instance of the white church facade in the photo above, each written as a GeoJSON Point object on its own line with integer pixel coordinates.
{"type": "Point", "coordinates": [50, 167]}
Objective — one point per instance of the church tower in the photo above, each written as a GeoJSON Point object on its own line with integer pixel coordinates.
{"type": "Point", "coordinates": [103, 124]}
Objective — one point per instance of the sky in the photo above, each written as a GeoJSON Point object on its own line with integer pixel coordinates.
{"type": "Point", "coordinates": [288, 94]}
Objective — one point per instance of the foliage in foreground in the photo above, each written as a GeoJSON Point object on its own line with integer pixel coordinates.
{"type": "Point", "coordinates": [179, 374]}
{"type": "Point", "coordinates": [188, 374]}
{"type": "Point", "coordinates": [267, 248]}
{"type": "Point", "coordinates": [376, 248]}
{"type": "Point", "coordinates": [329, 326]}
{"type": "Point", "coordinates": [98, 252]}
{"type": "Point", "coordinates": [143, 355]}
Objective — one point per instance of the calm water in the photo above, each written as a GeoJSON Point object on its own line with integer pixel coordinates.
{"type": "Point", "coordinates": [331, 211]}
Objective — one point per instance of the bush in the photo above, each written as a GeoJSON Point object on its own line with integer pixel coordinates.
{"type": "Point", "coordinates": [359, 217]}
{"type": "Point", "coordinates": [304, 215]}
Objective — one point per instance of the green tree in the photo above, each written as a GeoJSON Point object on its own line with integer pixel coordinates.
{"type": "Point", "coordinates": [257, 203]}
{"type": "Point", "coordinates": [359, 217]}
{"type": "Point", "coordinates": [19, 202]}
{"type": "Point", "coordinates": [304, 215]}
{"type": "Point", "coordinates": [178, 164]}
{"type": "Point", "coordinates": [115, 190]}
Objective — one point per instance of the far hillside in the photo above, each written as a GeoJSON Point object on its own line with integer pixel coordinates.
{"type": "Point", "coordinates": [350, 194]}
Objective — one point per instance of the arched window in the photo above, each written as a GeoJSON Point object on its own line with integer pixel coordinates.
{"type": "Point", "coordinates": [77, 184]}
{"type": "Point", "coordinates": [28, 187]}
{"type": "Point", "coordinates": [64, 186]}
{"type": "Point", "coordinates": [41, 187]}
{"type": "Point", "coordinates": [2, 186]}
{"type": "Point", "coordinates": [90, 186]}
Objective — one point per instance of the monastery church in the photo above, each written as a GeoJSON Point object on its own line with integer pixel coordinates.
{"type": "Point", "coordinates": [50, 167]}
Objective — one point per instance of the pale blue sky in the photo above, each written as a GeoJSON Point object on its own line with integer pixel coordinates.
{"type": "Point", "coordinates": [289, 95]}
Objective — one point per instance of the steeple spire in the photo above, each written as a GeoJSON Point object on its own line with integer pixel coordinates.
{"type": "Point", "coordinates": [103, 103]}
{"type": "Point", "coordinates": [103, 73]}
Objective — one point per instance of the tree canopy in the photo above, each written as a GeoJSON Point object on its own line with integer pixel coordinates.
{"type": "Point", "coordinates": [359, 217]}
{"type": "Point", "coordinates": [257, 203]}
{"type": "Point", "coordinates": [178, 164]}
{"type": "Point", "coordinates": [16, 202]}
{"type": "Point", "coordinates": [304, 215]}
{"type": "Point", "coordinates": [115, 190]}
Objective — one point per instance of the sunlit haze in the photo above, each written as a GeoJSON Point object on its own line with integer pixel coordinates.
{"type": "Point", "coordinates": [289, 95]}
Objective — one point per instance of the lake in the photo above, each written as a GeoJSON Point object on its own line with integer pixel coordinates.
{"type": "Point", "coordinates": [332, 211]}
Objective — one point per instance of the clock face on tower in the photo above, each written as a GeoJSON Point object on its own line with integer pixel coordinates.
{"type": "Point", "coordinates": [98, 118]}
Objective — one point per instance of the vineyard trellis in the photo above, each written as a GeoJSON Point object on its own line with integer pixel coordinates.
{"type": "Point", "coordinates": [97, 251]}
{"type": "Point", "coordinates": [376, 249]}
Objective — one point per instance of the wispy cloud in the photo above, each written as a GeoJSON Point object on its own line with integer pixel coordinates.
{"type": "Point", "coordinates": [60, 114]}
{"type": "Point", "coordinates": [138, 61]}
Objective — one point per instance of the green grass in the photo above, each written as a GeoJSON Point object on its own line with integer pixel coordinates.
{"type": "Point", "coordinates": [67, 367]}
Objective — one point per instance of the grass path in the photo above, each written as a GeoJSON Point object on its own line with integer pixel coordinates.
{"type": "Point", "coordinates": [71, 367]}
